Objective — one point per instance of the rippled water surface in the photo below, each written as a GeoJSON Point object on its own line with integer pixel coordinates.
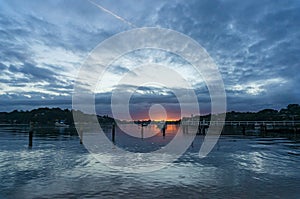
{"type": "Point", "coordinates": [57, 166]}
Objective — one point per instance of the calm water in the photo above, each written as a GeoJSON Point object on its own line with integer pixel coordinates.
{"type": "Point", "coordinates": [57, 166]}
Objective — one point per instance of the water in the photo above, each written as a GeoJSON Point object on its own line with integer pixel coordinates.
{"type": "Point", "coordinates": [57, 166]}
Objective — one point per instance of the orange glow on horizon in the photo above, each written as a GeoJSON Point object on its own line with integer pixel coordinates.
{"type": "Point", "coordinates": [157, 114]}
{"type": "Point", "coordinates": [159, 119]}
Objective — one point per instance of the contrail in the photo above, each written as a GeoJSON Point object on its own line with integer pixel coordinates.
{"type": "Point", "coordinates": [113, 14]}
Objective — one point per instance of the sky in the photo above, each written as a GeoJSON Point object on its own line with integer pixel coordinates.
{"type": "Point", "coordinates": [255, 44]}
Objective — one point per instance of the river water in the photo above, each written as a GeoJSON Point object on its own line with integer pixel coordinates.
{"type": "Point", "coordinates": [57, 166]}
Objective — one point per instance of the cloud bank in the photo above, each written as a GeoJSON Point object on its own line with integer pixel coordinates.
{"type": "Point", "coordinates": [256, 45]}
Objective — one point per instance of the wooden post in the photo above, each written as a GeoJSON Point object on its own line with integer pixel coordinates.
{"type": "Point", "coordinates": [142, 133]}
{"type": "Point", "coordinates": [199, 131]}
{"type": "Point", "coordinates": [203, 130]}
{"type": "Point", "coordinates": [113, 133]}
{"type": "Point", "coordinates": [81, 136]}
{"type": "Point", "coordinates": [30, 134]}
{"type": "Point", "coordinates": [263, 129]}
{"type": "Point", "coordinates": [244, 130]}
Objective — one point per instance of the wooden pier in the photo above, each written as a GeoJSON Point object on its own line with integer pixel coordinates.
{"type": "Point", "coordinates": [262, 126]}
{"type": "Point", "coordinates": [239, 123]}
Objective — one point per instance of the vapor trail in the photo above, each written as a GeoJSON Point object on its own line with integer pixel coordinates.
{"type": "Point", "coordinates": [113, 14]}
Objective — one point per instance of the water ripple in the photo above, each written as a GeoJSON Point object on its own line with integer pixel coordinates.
{"type": "Point", "coordinates": [59, 167]}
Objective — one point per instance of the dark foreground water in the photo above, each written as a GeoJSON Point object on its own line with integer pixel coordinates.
{"type": "Point", "coordinates": [57, 166]}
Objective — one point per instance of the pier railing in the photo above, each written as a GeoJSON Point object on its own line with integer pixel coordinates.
{"type": "Point", "coordinates": [239, 123]}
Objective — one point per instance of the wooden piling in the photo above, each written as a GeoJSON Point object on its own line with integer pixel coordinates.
{"type": "Point", "coordinates": [81, 136]}
{"type": "Point", "coordinates": [199, 130]}
{"type": "Point", "coordinates": [113, 133]}
{"type": "Point", "coordinates": [203, 130]}
{"type": "Point", "coordinates": [244, 130]}
{"type": "Point", "coordinates": [164, 131]}
{"type": "Point", "coordinates": [30, 134]}
{"type": "Point", "coordinates": [142, 132]}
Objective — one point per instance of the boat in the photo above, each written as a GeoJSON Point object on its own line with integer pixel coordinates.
{"type": "Point", "coordinates": [61, 124]}
{"type": "Point", "coordinates": [143, 122]}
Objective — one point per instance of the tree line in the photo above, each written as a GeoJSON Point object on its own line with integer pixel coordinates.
{"type": "Point", "coordinates": [48, 116]}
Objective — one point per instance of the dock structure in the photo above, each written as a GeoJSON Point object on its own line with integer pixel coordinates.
{"type": "Point", "coordinates": [262, 126]}
{"type": "Point", "coordinates": [240, 123]}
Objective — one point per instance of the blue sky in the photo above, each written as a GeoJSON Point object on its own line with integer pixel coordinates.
{"type": "Point", "coordinates": [256, 45]}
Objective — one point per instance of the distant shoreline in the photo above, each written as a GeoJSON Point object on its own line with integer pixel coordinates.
{"type": "Point", "coordinates": [49, 116]}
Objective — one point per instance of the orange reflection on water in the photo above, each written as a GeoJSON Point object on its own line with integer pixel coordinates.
{"type": "Point", "coordinates": [152, 130]}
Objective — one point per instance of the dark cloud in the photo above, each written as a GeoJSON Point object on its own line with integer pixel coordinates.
{"type": "Point", "coordinates": [33, 72]}
{"type": "Point", "coordinates": [2, 66]}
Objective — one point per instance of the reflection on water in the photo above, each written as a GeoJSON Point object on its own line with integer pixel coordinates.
{"type": "Point", "coordinates": [143, 139]}
{"type": "Point", "coordinates": [58, 166]}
